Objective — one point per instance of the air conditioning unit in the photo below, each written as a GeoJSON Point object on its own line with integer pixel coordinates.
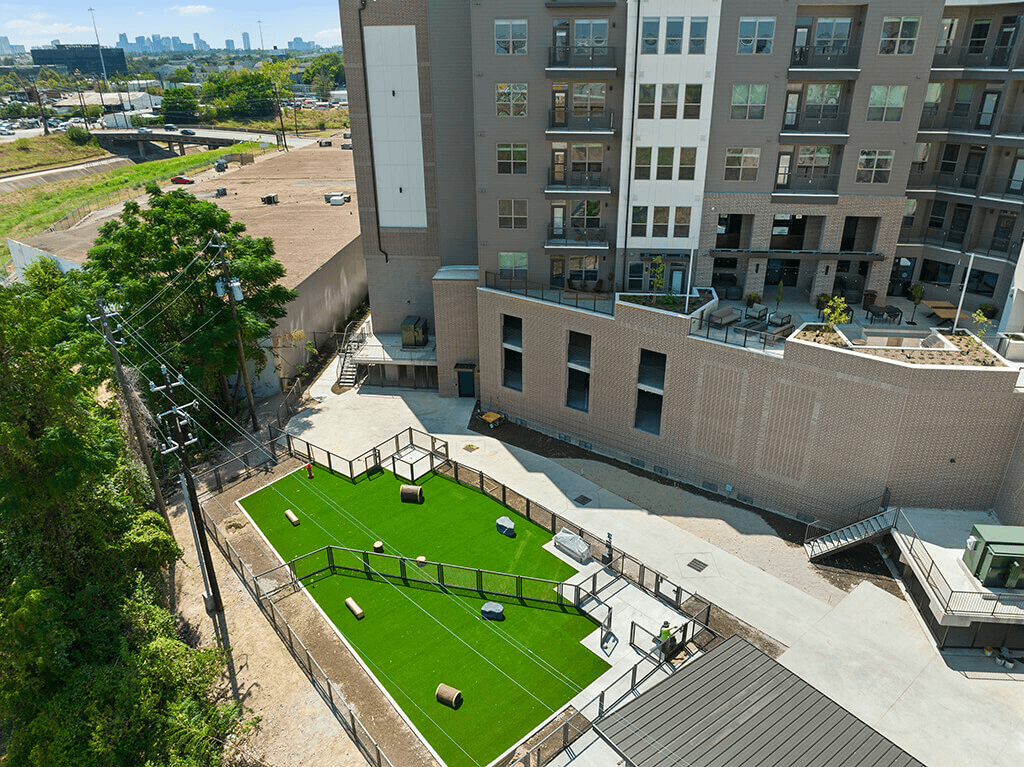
{"type": "Point", "coordinates": [221, 192]}
{"type": "Point", "coordinates": [269, 199]}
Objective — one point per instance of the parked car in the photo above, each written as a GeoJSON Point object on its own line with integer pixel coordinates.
{"type": "Point", "coordinates": [187, 132]}
{"type": "Point", "coordinates": [6, 132]}
{"type": "Point", "coordinates": [183, 180]}
{"type": "Point", "coordinates": [144, 130]}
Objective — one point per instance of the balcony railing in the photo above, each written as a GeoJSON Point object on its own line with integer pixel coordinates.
{"type": "Point", "coordinates": [1003, 186]}
{"type": "Point", "coordinates": [973, 56]}
{"type": "Point", "coordinates": [795, 184]}
{"type": "Point", "coordinates": [583, 181]}
{"type": "Point", "coordinates": [968, 182]}
{"type": "Point", "coordinates": [577, 237]}
{"type": "Point", "coordinates": [971, 121]}
{"type": "Point", "coordinates": [564, 120]}
{"type": "Point", "coordinates": [843, 56]}
{"type": "Point", "coordinates": [999, 246]}
{"type": "Point", "coordinates": [594, 302]}
{"type": "Point", "coordinates": [816, 121]}
{"type": "Point", "coordinates": [582, 57]}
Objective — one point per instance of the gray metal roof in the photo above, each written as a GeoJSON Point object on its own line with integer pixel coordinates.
{"type": "Point", "coordinates": [736, 707]}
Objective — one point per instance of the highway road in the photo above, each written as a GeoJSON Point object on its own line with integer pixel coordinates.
{"type": "Point", "coordinates": [220, 135]}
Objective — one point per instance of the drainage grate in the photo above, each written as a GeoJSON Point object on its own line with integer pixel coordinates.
{"type": "Point", "coordinates": [470, 448]}
{"type": "Point", "coordinates": [697, 565]}
{"type": "Point", "coordinates": [582, 500]}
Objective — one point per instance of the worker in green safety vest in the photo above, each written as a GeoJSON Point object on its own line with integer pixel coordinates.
{"type": "Point", "coordinates": [665, 640]}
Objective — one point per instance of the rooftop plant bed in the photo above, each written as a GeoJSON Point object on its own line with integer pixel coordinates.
{"type": "Point", "coordinates": [672, 302]}
{"type": "Point", "coordinates": [970, 351]}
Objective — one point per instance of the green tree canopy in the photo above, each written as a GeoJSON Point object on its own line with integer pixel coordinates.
{"type": "Point", "coordinates": [182, 75]}
{"type": "Point", "coordinates": [243, 94]}
{"type": "Point", "coordinates": [180, 105]}
{"type": "Point", "coordinates": [330, 64]}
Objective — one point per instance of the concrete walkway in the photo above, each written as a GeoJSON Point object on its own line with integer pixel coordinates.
{"type": "Point", "coordinates": [867, 650]}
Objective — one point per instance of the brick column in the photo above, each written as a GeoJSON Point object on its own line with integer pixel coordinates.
{"type": "Point", "coordinates": [754, 280]}
{"type": "Point", "coordinates": [823, 283]}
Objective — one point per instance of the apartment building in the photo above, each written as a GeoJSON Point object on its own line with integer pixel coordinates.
{"type": "Point", "coordinates": [525, 165]}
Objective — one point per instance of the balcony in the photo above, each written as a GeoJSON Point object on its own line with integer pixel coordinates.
{"type": "Point", "coordinates": [827, 57]}
{"type": "Point", "coordinates": [998, 246]}
{"type": "Point", "coordinates": [818, 121]}
{"type": "Point", "coordinates": [825, 184]}
{"type": "Point", "coordinates": [968, 183]}
{"type": "Point", "coordinates": [576, 237]}
{"type": "Point", "coordinates": [962, 120]}
{"type": "Point", "coordinates": [583, 182]}
{"type": "Point", "coordinates": [599, 302]}
{"type": "Point", "coordinates": [968, 56]}
{"type": "Point", "coordinates": [563, 123]}
{"type": "Point", "coordinates": [582, 61]}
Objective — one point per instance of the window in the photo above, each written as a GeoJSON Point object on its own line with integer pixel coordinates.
{"type": "Point", "coordinates": [741, 163]}
{"type": "Point", "coordinates": [756, 34]}
{"type": "Point", "coordinates": [590, 36]}
{"type": "Point", "coordinates": [698, 34]}
{"type": "Point", "coordinates": [512, 214]}
{"type": "Point", "coordinates": [649, 35]}
{"type": "Point", "coordinates": [947, 34]}
{"type": "Point", "coordinates": [577, 389]}
{"type": "Point", "coordinates": [583, 268]}
{"type": "Point", "coordinates": [639, 221]}
{"type": "Point", "coordinates": [813, 161]}
{"type": "Point", "coordinates": [635, 275]}
{"type": "Point", "coordinates": [650, 381]}
{"type": "Point", "coordinates": [669, 100]}
{"type": "Point", "coordinates": [665, 156]}
{"type": "Point", "coordinates": [979, 35]}
{"type": "Point", "coordinates": [587, 158]}
{"type": "Point", "coordinates": [932, 96]}
{"type": "Point", "coordinates": [588, 99]}
{"type": "Point", "coordinates": [687, 162]}
{"type": "Point", "coordinates": [510, 99]}
{"type": "Point", "coordinates": [874, 165]}
{"type": "Point", "coordinates": [937, 216]}
{"type": "Point", "coordinates": [510, 37]}
{"type": "Point", "coordinates": [899, 34]}
{"type": "Point", "coordinates": [822, 100]}
{"type": "Point", "coordinates": [922, 151]}
{"type": "Point", "coordinates": [748, 102]}
{"type": "Point", "coordinates": [682, 222]}
{"type": "Point", "coordinates": [512, 369]}
{"type": "Point", "coordinates": [964, 98]}
{"type": "Point", "coordinates": [722, 262]}
{"type": "Point", "coordinates": [937, 272]}
{"type": "Point", "coordinates": [642, 163]}
{"type": "Point", "coordinates": [645, 104]}
{"type": "Point", "coordinates": [950, 156]}
{"type": "Point", "coordinates": [659, 225]}
{"type": "Point", "coordinates": [673, 35]}
{"type": "Point", "coordinates": [691, 102]}
{"type": "Point", "coordinates": [512, 266]}
{"type": "Point", "coordinates": [885, 103]}
{"type": "Point", "coordinates": [512, 159]}
{"type": "Point", "coordinates": [982, 283]}
{"type": "Point", "coordinates": [832, 36]}
{"type": "Point", "coordinates": [585, 214]}
{"type": "Point", "coordinates": [909, 211]}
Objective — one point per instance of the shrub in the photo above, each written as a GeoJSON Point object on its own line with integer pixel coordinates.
{"type": "Point", "coordinates": [23, 145]}
{"type": "Point", "coordinates": [321, 125]}
{"type": "Point", "coordinates": [78, 135]}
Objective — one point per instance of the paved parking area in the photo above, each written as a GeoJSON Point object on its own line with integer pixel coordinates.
{"type": "Point", "coordinates": [867, 650]}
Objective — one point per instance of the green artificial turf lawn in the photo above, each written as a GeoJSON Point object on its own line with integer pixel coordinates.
{"type": "Point", "coordinates": [512, 674]}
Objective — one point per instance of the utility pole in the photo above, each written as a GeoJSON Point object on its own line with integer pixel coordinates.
{"type": "Point", "coordinates": [180, 446]}
{"type": "Point", "coordinates": [280, 115]}
{"type": "Point", "coordinates": [103, 64]}
{"type": "Point", "coordinates": [231, 287]}
{"type": "Point", "coordinates": [126, 391]}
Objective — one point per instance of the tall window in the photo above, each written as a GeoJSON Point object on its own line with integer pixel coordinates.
{"type": "Point", "coordinates": [937, 214]}
{"type": "Point", "coordinates": [642, 163]}
{"type": "Point", "coordinates": [748, 102]}
{"type": "Point", "coordinates": [638, 223]}
{"type": "Point", "coordinates": [909, 212]}
{"type": "Point", "coordinates": [512, 214]}
{"type": "Point", "coordinates": [512, 266]}
{"type": "Point", "coordinates": [510, 99]}
{"type": "Point", "coordinates": [590, 35]}
{"type": "Point", "coordinates": [512, 159]}
{"type": "Point", "coordinates": [665, 157]}
{"type": "Point", "coordinates": [669, 100]}
{"type": "Point", "coordinates": [874, 166]}
{"type": "Point", "coordinates": [813, 161]}
{"type": "Point", "coordinates": [510, 37]}
{"type": "Point", "coordinates": [937, 272]}
{"type": "Point", "coordinates": [583, 268]}
{"type": "Point", "coordinates": [588, 99]}
{"type": "Point", "coordinates": [832, 36]}
{"type": "Point", "coordinates": [645, 103]}
{"type": "Point", "coordinates": [932, 97]}
{"type": "Point", "coordinates": [649, 35]}
{"type": "Point", "coordinates": [822, 100]}
{"type": "Point", "coordinates": [673, 35]}
{"type": "Point", "coordinates": [587, 158]}
{"type": "Point", "coordinates": [512, 351]}
{"type": "Point", "coordinates": [885, 103]}
{"type": "Point", "coordinates": [691, 102]}
{"type": "Point", "coordinates": [635, 275]}
{"type": "Point", "coordinates": [979, 35]}
{"type": "Point", "coordinates": [698, 34]}
{"type": "Point", "coordinates": [659, 226]}
{"type": "Point", "coordinates": [741, 163]}
{"type": "Point", "coordinates": [899, 35]}
{"type": "Point", "coordinates": [585, 214]}
{"type": "Point", "coordinates": [682, 222]}
{"type": "Point", "coordinates": [756, 34]}
{"type": "Point", "coordinates": [947, 34]}
{"type": "Point", "coordinates": [687, 162]}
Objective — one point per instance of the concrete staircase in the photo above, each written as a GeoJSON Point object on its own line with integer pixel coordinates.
{"type": "Point", "coordinates": [851, 535]}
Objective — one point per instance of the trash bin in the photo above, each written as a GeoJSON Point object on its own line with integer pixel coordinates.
{"type": "Point", "coordinates": [869, 298]}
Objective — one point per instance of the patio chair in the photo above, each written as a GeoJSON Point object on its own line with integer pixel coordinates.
{"type": "Point", "coordinates": [757, 312]}
{"type": "Point", "coordinates": [777, 320]}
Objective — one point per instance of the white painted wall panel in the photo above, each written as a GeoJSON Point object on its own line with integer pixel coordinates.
{"type": "Point", "coordinates": [394, 98]}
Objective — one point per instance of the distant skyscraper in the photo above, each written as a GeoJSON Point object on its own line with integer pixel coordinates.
{"type": "Point", "coordinates": [229, 45]}
{"type": "Point", "coordinates": [245, 41]}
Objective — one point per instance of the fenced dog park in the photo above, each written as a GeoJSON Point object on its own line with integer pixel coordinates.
{"type": "Point", "coordinates": [412, 589]}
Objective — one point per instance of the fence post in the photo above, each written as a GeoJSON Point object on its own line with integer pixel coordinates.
{"type": "Point", "coordinates": [643, 571]}
{"type": "Point", "coordinates": [440, 575]}
{"type": "Point", "coordinates": [503, 489]}
{"type": "Point", "coordinates": [481, 481]}
{"type": "Point", "coordinates": [366, 564]}
{"type": "Point", "coordinates": [401, 568]}
{"type": "Point", "coordinates": [352, 723]}
{"type": "Point", "coordinates": [309, 452]}
{"type": "Point", "coordinates": [456, 464]}
{"type": "Point", "coordinates": [527, 508]}
{"type": "Point", "coordinates": [479, 580]}
{"type": "Point", "coordinates": [217, 480]}
{"type": "Point", "coordinates": [330, 559]}
{"type": "Point", "coordinates": [600, 705]}
{"type": "Point", "coordinates": [330, 468]}
{"type": "Point", "coordinates": [519, 586]}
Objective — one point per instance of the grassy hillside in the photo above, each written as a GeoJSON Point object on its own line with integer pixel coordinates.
{"type": "Point", "coordinates": [45, 152]}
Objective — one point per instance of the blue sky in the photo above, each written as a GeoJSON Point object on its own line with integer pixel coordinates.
{"type": "Point", "coordinates": [34, 24]}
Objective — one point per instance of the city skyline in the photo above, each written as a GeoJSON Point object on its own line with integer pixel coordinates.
{"type": "Point", "coordinates": [71, 23]}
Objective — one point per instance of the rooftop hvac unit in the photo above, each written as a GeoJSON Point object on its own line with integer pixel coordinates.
{"type": "Point", "coordinates": [414, 332]}
{"type": "Point", "coordinates": [221, 192]}
{"type": "Point", "coordinates": [339, 200]}
{"type": "Point", "coordinates": [269, 199]}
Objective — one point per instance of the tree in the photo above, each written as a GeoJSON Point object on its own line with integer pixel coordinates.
{"type": "Point", "coordinates": [244, 94]}
{"type": "Point", "coordinates": [323, 84]}
{"type": "Point", "coordinates": [137, 256]}
{"type": "Point", "coordinates": [836, 313]}
{"type": "Point", "coordinates": [180, 105]}
{"type": "Point", "coordinates": [329, 64]}
{"type": "Point", "coordinates": [182, 75]}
